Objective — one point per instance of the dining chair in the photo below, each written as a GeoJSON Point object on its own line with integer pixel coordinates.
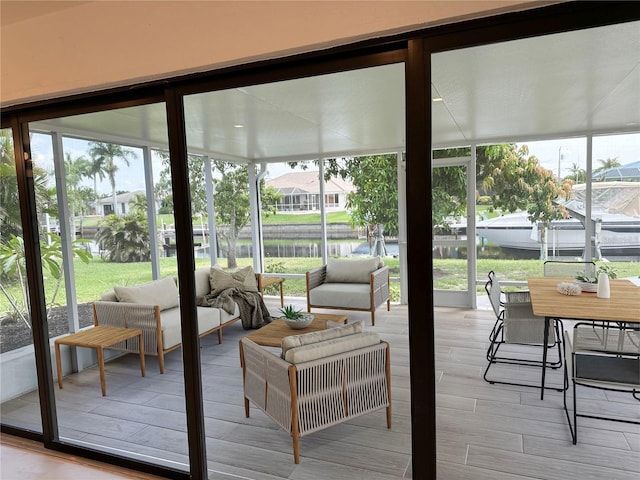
{"type": "Point", "coordinates": [516, 324]}
{"type": "Point", "coordinates": [562, 268]}
{"type": "Point", "coordinates": [612, 365]}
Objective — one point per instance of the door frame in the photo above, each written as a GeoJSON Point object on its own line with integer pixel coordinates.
{"type": "Point", "coordinates": [462, 298]}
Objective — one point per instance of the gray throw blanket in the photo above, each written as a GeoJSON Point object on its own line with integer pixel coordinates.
{"type": "Point", "coordinates": [253, 311]}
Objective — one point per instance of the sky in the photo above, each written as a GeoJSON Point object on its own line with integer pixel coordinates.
{"type": "Point", "coordinates": [552, 154]}
{"type": "Point", "coordinates": [625, 148]}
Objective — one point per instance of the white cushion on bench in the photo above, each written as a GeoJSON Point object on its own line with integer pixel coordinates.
{"type": "Point", "coordinates": [163, 293]}
{"type": "Point", "coordinates": [345, 295]}
{"type": "Point", "coordinates": [208, 318]}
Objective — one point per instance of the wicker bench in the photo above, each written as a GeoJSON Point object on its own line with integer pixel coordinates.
{"type": "Point", "coordinates": [154, 308]}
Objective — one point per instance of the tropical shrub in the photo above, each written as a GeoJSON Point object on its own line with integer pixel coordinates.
{"type": "Point", "coordinates": [12, 262]}
{"type": "Point", "coordinates": [124, 239]}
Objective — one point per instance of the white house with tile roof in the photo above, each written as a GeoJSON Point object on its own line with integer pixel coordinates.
{"type": "Point", "coordinates": [301, 192]}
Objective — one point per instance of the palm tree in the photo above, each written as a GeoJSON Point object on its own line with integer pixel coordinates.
{"type": "Point", "coordinates": [95, 170]}
{"type": "Point", "coordinates": [578, 174]}
{"type": "Point", "coordinates": [10, 219]}
{"type": "Point", "coordinates": [9, 205]}
{"type": "Point", "coordinates": [138, 204]}
{"type": "Point", "coordinates": [107, 153]}
{"type": "Point", "coordinates": [74, 170]}
{"type": "Point", "coordinates": [608, 163]}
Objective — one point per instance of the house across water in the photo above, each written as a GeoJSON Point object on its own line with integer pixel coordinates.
{"type": "Point", "coordinates": [301, 192]}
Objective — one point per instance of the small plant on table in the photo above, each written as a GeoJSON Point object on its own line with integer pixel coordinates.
{"type": "Point", "coordinates": [608, 269]}
{"type": "Point", "coordinates": [291, 313]}
{"type": "Point", "coordinates": [295, 318]}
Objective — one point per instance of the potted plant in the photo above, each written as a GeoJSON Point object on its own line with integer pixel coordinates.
{"type": "Point", "coordinates": [295, 318]}
{"type": "Point", "coordinates": [590, 284]}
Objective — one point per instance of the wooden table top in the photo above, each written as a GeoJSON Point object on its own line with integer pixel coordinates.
{"type": "Point", "coordinates": [98, 336]}
{"type": "Point", "coordinates": [622, 306]}
{"type": "Point", "coordinates": [271, 335]}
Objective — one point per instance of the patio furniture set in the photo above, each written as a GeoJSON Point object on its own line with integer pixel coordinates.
{"type": "Point", "coordinates": [602, 352]}
{"type": "Point", "coordinates": [325, 374]}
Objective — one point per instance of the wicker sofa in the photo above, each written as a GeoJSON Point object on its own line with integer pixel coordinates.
{"type": "Point", "coordinates": [321, 379]}
{"type": "Point", "coordinates": [154, 308]}
{"type": "Point", "coordinates": [344, 284]}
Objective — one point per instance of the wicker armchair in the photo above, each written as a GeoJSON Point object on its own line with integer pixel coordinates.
{"type": "Point", "coordinates": [303, 398]}
{"type": "Point", "coordinates": [366, 295]}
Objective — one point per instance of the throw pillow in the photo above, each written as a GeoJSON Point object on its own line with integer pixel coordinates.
{"type": "Point", "coordinates": [335, 346]}
{"type": "Point", "coordinates": [109, 297]}
{"type": "Point", "coordinates": [243, 279]}
{"type": "Point", "coordinates": [293, 341]}
{"type": "Point", "coordinates": [340, 270]}
{"type": "Point", "coordinates": [163, 293]}
{"type": "Point", "coordinates": [203, 285]}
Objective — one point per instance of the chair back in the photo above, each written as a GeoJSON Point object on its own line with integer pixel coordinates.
{"type": "Point", "coordinates": [557, 268]}
{"type": "Point", "coordinates": [492, 287]}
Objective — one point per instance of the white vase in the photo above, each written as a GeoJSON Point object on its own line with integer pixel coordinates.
{"type": "Point", "coordinates": [604, 289]}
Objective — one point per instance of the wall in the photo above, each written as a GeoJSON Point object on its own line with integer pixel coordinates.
{"type": "Point", "coordinates": [51, 49]}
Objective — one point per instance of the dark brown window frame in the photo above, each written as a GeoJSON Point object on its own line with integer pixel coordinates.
{"type": "Point", "coordinates": [414, 48]}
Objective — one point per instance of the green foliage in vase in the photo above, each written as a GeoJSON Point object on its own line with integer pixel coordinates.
{"type": "Point", "coordinates": [608, 269]}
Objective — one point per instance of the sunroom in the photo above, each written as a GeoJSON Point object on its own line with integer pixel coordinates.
{"type": "Point", "coordinates": [343, 113]}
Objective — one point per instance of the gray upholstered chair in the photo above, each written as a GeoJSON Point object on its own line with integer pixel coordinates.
{"type": "Point", "coordinates": [345, 284]}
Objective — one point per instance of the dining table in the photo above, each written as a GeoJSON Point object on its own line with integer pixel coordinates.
{"type": "Point", "coordinates": [621, 307]}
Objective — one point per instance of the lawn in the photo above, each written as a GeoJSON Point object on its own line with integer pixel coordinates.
{"type": "Point", "coordinates": [98, 276]}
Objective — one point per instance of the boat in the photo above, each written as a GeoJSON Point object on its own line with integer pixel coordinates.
{"type": "Point", "coordinates": [615, 215]}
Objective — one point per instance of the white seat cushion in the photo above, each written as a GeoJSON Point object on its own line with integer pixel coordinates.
{"type": "Point", "coordinates": [208, 318]}
{"type": "Point", "coordinates": [170, 324]}
{"type": "Point", "coordinates": [347, 295]}
{"type": "Point", "coordinates": [225, 317]}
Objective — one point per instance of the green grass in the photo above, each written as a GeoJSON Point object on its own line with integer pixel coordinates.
{"type": "Point", "coordinates": [277, 219]}
{"type": "Point", "coordinates": [98, 276]}
{"type": "Point", "coordinates": [305, 218]}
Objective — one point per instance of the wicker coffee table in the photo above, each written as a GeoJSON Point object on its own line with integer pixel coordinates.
{"type": "Point", "coordinates": [271, 335]}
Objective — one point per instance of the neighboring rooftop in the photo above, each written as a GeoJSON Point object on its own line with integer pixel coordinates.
{"type": "Point", "coordinates": [308, 182]}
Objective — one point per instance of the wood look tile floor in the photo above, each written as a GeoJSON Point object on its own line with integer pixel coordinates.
{"type": "Point", "coordinates": [496, 432]}
{"type": "Point", "coordinates": [22, 459]}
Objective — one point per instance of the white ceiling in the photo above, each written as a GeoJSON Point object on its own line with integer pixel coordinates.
{"type": "Point", "coordinates": [554, 86]}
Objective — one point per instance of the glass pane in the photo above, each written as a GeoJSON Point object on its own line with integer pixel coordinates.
{"type": "Point", "coordinates": [615, 202]}
{"type": "Point", "coordinates": [236, 131]}
{"type": "Point", "coordinates": [19, 399]}
{"type": "Point", "coordinates": [449, 210]}
{"type": "Point", "coordinates": [99, 247]}
{"type": "Point", "coordinates": [518, 230]}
